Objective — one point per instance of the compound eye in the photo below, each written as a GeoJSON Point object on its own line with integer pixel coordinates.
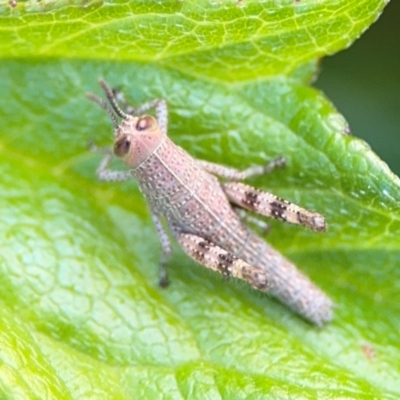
{"type": "Point", "coordinates": [122, 146]}
{"type": "Point", "coordinates": [146, 123]}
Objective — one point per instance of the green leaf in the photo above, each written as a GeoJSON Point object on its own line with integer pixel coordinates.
{"type": "Point", "coordinates": [81, 314]}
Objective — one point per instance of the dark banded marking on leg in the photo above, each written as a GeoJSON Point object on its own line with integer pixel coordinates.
{"type": "Point", "coordinates": [214, 257]}
{"type": "Point", "coordinates": [251, 199]}
{"type": "Point", "coordinates": [203, 248]}
{"type": "Point", "coordinates": [225, 263]}
{"type": "Point", "coordinates": [267, 204]}
{"type": "Point", "coordinates": [279, 208]}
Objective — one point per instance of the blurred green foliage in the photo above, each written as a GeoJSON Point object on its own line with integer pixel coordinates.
{"type": "Point", "coordinates": [364, 84]}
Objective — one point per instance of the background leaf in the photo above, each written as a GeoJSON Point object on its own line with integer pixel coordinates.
{"type": "Point", "coordinates": [82, 314]}
{"type": "Point", "coordinates": [364, 84]}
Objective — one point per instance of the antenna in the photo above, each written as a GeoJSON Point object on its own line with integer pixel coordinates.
{"type": "Point", "coordinates": [111, 98]}
{"type": "Point", "coordinates": [104, 106]}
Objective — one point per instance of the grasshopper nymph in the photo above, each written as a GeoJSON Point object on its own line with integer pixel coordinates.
{"type": "Point", "coordinates": [202, 213]}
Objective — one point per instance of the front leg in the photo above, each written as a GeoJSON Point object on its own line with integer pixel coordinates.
{"type": "Point", "coordinates": [214, 257]}
{"type": "Point", "coordinates": [103, 172]}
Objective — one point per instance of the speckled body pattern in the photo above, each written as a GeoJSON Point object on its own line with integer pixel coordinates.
{"type": "Point", "coordinates": [199, 213]}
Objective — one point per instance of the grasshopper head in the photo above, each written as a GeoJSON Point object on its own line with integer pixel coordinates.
{"type": "Point", "coordinates": [136, 137]}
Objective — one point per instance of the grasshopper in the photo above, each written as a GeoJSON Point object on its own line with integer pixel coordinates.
{"type": "Point", "coordinates": [202, 213]}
